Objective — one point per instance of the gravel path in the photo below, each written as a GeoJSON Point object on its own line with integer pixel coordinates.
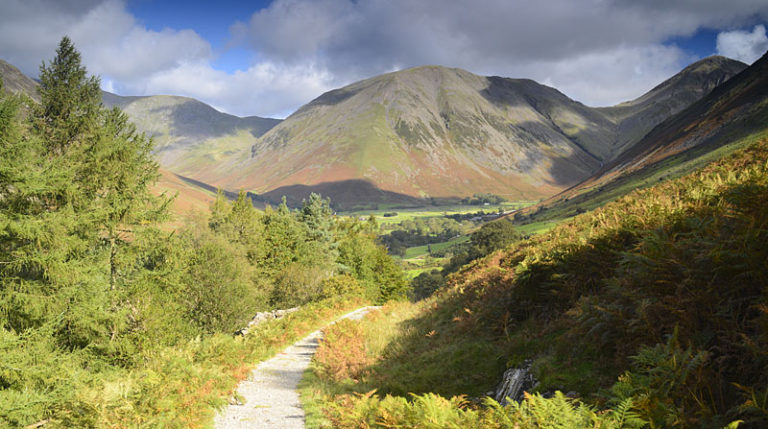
{"type": "Point", "coordinates": [271, 399]}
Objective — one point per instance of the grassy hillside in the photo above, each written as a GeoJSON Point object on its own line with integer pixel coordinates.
{"type": "Point", "coordinates": [656, 301]}
{"type": "Point", "coordinates": [189, 198]}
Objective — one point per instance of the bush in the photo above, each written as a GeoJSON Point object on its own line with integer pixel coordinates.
{"type": "Point", "coordinates": [296, 285]}
{"type": "Point", "coordinates": [219, 296]}
{"type": "Point", "coordinates": [425, 284]}
{"type": "Point", "coordinates": [341, 285]}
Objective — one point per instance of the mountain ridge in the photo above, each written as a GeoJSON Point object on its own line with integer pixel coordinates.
{"type": "Point", "coordinates": [433, 131]}
{"type": "Point", "coordinates": [424, 132]}
{"type": "Point", "coordinates": [729, 113]}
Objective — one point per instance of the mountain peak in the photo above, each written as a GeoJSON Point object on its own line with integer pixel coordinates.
{"type": "Point", "coordinates": [711, 63]}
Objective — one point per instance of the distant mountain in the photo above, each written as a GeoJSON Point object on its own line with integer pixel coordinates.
{"type": "Point", "coordinates": [438, 132]}
{"type": "Point", "coordinates": [15, 81]}
{"type": "Point", "coordinates": [190, 135]}
{"type": "Point", "coordinates": [730, 116]}
{"type": "Point", "coordinates": [636, 118]}
{"type": "Point", "coordinates": [428, 132]}
{"type": "Point", "coordinates": [735, 108]}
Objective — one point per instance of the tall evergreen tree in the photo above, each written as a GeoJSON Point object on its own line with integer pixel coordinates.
{"type": "Point", "coordinates": [70, 99]}
{"type": "Point", "coordinates": [317, 215]}
{"type": "Point", "coordinates": [74, 190]}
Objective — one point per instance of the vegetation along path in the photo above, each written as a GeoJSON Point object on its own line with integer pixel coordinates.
{"type": "Point", "coordinates": [269, 397]}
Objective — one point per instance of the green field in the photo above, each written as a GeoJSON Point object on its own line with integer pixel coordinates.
{"type": "Point", "coordinates": [432, 211]}
{"type": "Point", "coordinates": [415, 252]}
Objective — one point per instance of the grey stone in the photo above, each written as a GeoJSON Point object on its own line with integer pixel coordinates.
{"type": "Point", "coordinates": [514, 383]}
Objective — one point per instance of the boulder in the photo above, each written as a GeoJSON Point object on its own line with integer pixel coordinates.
{"type": "Point", "coordinates": [514, 383]}
{"type": "Point", "coordinates": [264, 316]}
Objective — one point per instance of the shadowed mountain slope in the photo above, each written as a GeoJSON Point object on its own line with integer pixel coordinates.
{"type": "Point", "coordinates": [636, 118]}
{"type": "Point", "coordinates": [730, 116]}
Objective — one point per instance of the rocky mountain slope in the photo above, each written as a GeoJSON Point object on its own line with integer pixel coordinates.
{"type": "Point", "coordinates": [439, 132]}
{"type": "Point", "coordinates": [637, 117]}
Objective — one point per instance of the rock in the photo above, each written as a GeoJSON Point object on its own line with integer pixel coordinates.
{"type": "Point", "coordinates": [263, 316]}
{"type": "Point", "coordinates": [514, 383]}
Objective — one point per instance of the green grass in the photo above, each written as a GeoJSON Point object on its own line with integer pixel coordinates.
{"type": "Point", "coordinates": [415, 252]}
{"type": "Point", "coordinates": [536, 227]}
{"type": "Point", "coordinates": [431, 211]}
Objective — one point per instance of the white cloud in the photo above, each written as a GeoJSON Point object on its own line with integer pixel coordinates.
{"type": "Point", "coordinates": [615, 75]}
{"type": "Point", "coordinates": [743, 45]}
{"type": "Point", "coordinates": [265, 89]}
{"type": "Point", "coordinates": [125, 50]}
{"type": "Point", "coordinates": [596, 51]}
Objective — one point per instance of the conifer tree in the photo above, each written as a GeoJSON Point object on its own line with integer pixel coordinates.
{"type": "Point", "coordinates": [74, 190]}
{"type": "Point", "coordinates": [70, 99]}
{"type": "Point", "coordinates": [317, 216]}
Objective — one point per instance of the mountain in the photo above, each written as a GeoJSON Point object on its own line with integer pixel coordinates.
{"type": "Point", "coordinates": [635, 118]}
{"type": "Point", "coordinates": [426, 132]}
{"type": "Point", "coordinates": [189, 135]}
{"type": "Point", "coordinates": [735, 108]}
{"type": "Point", "coordinates": [15, 81]}
{"type": "Point", "coordinates": [727, 118]}
{"type": "Point", "coordinates": [440, 132]}
{"type": "Point", "coordinates": [408, 136]}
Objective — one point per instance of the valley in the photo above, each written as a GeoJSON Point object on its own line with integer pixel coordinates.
{"type": "Point", "coordinates": [615, 255]}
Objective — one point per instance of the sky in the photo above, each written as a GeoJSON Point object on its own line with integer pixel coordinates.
{"type": "Point", "coordinates": [269, 57]}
